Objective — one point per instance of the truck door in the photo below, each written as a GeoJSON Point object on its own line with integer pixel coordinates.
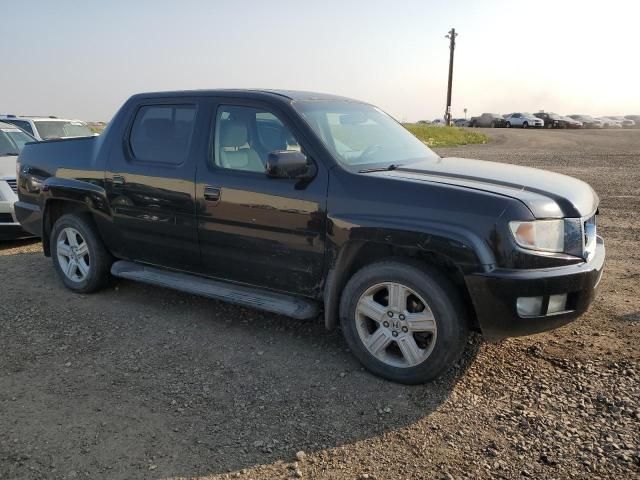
{"type": "Point", "coordinates": [254, 229]}
{"type": "Point", "coordinates": [150, 184]}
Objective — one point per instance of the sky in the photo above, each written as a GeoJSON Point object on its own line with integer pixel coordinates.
{"type": "Point", "coordinates": [84, 58]}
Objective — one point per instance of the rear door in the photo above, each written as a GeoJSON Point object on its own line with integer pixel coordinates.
{"type": "Point", "coordinates": [254, 229]}
{"type": "Point", "coordinates": [150, 184]}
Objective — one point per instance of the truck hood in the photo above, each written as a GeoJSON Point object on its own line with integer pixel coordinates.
{"type": "Point", "coordinates": [546, 194]}
{"type": "Point", "coordinates": [8, 166]}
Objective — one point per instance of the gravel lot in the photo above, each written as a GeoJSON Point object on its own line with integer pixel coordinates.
{"type": "Point", "coordinates": [141, 382]}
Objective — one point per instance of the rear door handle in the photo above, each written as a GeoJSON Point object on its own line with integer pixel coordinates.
{"type": "Point", "coordinates": [211, 194]}
{"type": "Point", "coordinates": [118, 180]}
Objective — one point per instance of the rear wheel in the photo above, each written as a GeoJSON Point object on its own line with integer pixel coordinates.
{"type": "Point", "coordinates": [403, 321]}
{"type": "Point", "coordinates": [78, 254]}
{"type": "Point", "coordinates": [508, 125]}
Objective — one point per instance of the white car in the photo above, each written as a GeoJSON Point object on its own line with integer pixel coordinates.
{"type": "Point", "coordinates": [626, 122]}
{"type": "Point", "coordinates": [524, 120]}
{"type": "Point", "coordinates": [608, 122]}
{"type": "Point", "coordinates": [12, 139]}
{"type": "Point", "coordinates": [46, 128]}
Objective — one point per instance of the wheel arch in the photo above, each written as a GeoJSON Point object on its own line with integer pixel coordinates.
{"type": "Point", "coordinates": [55, 208]}
{"type": "Point", "coordinates": [438, 253]}
{"type": "Point", "coordinates": [65, 195]}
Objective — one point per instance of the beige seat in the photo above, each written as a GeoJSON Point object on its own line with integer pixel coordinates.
{"type": "Point", "coordinates": [234, 149]}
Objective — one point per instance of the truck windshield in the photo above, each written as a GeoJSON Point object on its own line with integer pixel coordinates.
{"type": "Point", "coordinates": [359, 134]}
{"type": "Point", "coordinates": [58, 129]}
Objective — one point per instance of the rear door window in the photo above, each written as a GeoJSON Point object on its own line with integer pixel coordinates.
{"type": "Point", "coordinates": [162, 133]}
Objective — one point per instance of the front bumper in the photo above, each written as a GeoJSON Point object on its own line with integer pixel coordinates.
{"type": "Point", "coordinates": [494, 295]}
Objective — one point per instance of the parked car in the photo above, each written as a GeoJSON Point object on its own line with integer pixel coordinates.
{"type": "Point", "coordinates": [439, 122]}
{"type": "Point", "coordinates": [625, 122]}
{"type": "Point", "coordinates": [12, 140]}
{"type": "Point", "coordinates": [608, 122]}
{"type": "Point", "coordinates": [635, 118]}
{"type": "Point", "coordinates": [588, 121]}
{"type": "Point", "coordinates": [487, 120]}
{"type": "Point", "coordinates": [572, 123]}
{"type": "Point", "coordinates": [553, 120]}
{"type": "Point", "coordinates": [272, 200]}
{"type": "Point", "coordinates": [47, 128]}
{"type": "Point", "coordinates": [461, 122]}
{"type": "Point", "coordinates": [524, 120]}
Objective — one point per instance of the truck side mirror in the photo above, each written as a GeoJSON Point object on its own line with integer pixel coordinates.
{"type": "Point", "coordinates": [289, 164]}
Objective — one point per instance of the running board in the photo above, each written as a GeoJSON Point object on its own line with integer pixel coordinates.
{"type": "Point", "coordinates": [279, 303]}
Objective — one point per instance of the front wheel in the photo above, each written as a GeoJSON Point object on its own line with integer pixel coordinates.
{"type": "Point", "coordinates": [403, 321]}
{"type": "Point", "coordinates": [79, 256]}
{"type": "Point", "coordinates": [508, 125]}
{"type": "Point", "coordinates": [525, 125]}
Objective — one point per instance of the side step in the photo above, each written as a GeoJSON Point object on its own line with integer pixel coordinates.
{"type": "Point", "coordinates": [279, 303]}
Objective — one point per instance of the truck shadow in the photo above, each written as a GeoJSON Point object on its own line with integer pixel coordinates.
{"type": "Point", "coordinates": [153, 382]}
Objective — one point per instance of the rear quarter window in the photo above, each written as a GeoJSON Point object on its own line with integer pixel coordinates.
{"type": "Point", "coordinates": [162, 133]}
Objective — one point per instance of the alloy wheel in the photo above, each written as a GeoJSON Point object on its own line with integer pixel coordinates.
{"type": "Point", "coordinates": [73, 254]}
{"type": "Point", "coordinates": [396, 325]}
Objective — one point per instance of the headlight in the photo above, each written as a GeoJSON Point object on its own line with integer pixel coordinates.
{"type": "Point", "coordinates": [545, 235]}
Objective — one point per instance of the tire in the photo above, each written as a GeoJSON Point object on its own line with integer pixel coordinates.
{"type": "Point", "coordinates": [525, 124]}
{"type": "Point", "coordinates": [473, 125]}
{"type": "Point", "coordinates": [549, 125]}
{"type": "Point", "coordinates": [493, 124]}
{"type": "Point", "coordinates": [508, 124]}
{"type": "Point", "coordinates": [85, 266]}
{"type": "Point", "coordinates": [438, 332]}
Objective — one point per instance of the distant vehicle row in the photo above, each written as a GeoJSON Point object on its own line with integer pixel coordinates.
{"type": "Point", "coordinates": [549, 120]}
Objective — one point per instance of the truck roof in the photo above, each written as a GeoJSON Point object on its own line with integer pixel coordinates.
{"type": "Point", "coordinates": [251, 92]}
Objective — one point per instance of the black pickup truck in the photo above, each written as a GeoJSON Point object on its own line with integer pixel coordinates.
{"type": "Point", "coordinates": [298, 203]}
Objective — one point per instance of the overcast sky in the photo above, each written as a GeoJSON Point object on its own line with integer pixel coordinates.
{"type": "Point", "coordinates": [82, 59]}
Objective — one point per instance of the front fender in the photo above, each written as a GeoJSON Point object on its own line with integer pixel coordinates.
{"type": "Point", "coordinates": [347, 239]}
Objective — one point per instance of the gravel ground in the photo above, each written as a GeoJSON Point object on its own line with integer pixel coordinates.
{"type": "Point", "coordinates": [141, 382]}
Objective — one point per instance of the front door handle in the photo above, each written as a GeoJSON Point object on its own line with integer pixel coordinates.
{"type": "Point", "coordinates": [118, 180]}
{"type": "Point", "coordinates": [211, 194]}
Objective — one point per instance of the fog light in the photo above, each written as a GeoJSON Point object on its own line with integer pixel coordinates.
{"type": "Point", "coordinates": [557, 303]}
{"type": "Point", "coordinates": [529, 306]}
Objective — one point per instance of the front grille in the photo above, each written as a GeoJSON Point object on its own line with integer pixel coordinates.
{"type": "Point", "coordinates": [13, 184]}
{"type": "Point", "coordinates": [589, 236]}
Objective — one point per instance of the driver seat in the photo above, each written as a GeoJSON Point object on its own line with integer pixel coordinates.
{"type": "Point", "coordinates": [234, 150]}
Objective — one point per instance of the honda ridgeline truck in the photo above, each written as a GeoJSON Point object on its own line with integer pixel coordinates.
{"type": "Point", "coordinates": [300, 203]}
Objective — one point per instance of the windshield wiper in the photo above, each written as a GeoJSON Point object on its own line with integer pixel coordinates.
{"type": "Point", "coordinates": [9, 154]}
{"type": "Point", "coordinates": [393, 166]}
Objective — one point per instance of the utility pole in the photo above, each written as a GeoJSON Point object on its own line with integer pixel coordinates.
{"type": "Point", "coordinates": [452, 45]}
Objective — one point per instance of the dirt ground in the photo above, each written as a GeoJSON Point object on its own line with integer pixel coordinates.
{"type": "Point", "coordinates": [141, 382]}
